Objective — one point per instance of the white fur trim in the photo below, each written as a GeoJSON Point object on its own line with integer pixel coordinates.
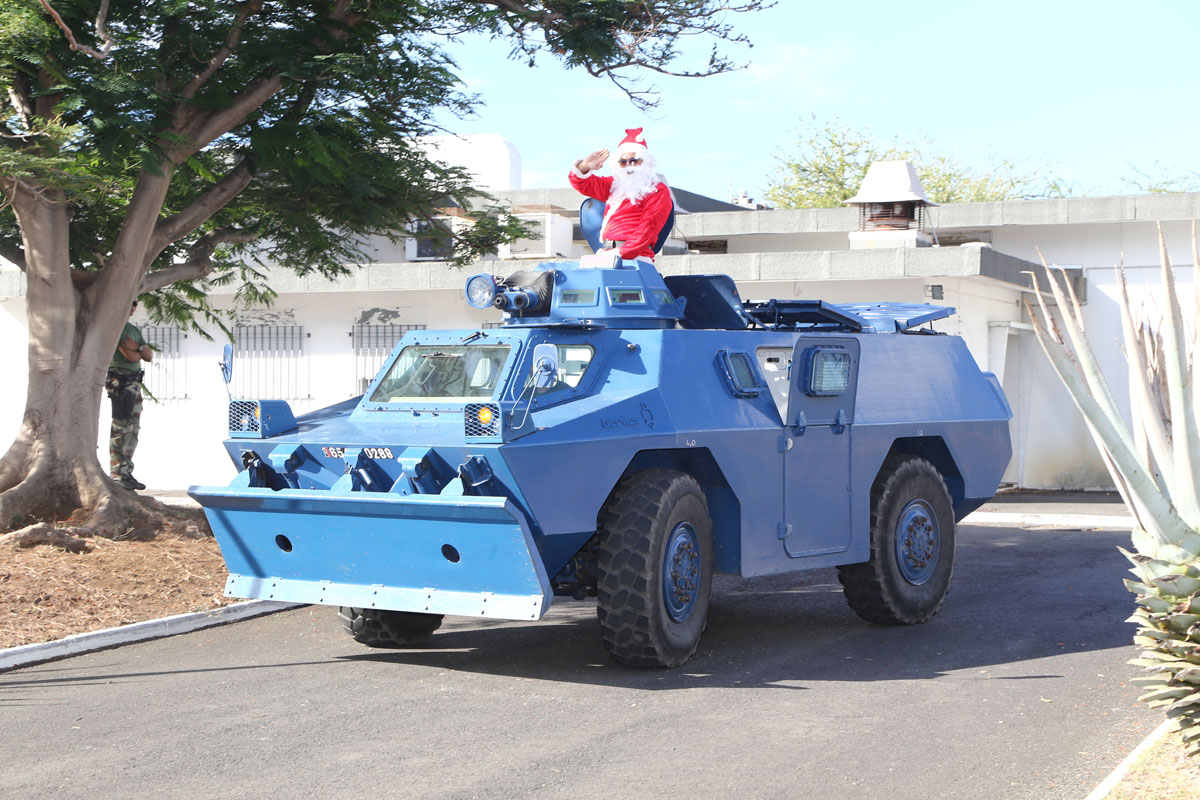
{"type": "Point", "coordinates": [575, 171]}
{"type": "Point", "coordinates": [630, 147]}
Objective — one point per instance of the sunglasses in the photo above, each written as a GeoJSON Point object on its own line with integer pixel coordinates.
{"type": "Point", "coordinates": [624, 161]}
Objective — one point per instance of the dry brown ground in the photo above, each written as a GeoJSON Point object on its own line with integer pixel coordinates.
{"type": "Point", "coordinates": [47, 593]}
{"type": "Point", "coordinates": [1162, 773]}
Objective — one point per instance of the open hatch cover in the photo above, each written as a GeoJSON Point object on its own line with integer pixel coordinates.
{"type": "Point", "coordinates": [850, 317]}
{"type": "Point", "coordinates": [894, 317]}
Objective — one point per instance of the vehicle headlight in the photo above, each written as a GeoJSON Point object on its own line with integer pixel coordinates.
{"type": "Point", "coordinates": [481, 289]}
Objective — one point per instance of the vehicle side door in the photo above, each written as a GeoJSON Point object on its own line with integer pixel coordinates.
{"type": "Point", "coordinates": [816, 448]}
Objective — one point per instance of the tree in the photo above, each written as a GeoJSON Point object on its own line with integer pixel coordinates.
{"type": "Point", "coordinates": [1160, 179]}
{"type": "Point", "coordinates": [159, 145]}
{"type": "Point", "coordinates": [1155, 463]}
{"type": "Point", "coordinates": [831, 161]}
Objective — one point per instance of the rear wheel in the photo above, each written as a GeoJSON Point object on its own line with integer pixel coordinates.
{"type": "Point", "coordinates": [912, 546]}
{"type": "Point", "coordinates": [378, 628]}
{"type": "Point", "coordinates": [655, 560]}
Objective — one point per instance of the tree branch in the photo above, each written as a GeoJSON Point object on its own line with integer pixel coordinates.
{"type": "Point", "coordinates": [106, 40]}
{"type": "Point", "coordinates": [45, 102]}
{"type": "Point", "coordinates": [245, 10]}
{"type": "Point", "coordinates": [205, 128]}
{"type": "Point", "coordinates": [175, 227]}
{"type": "Point", "coordinates": [82, 278]}
{"type": "Point", "coordinates": [521, 9]}
{"type": "Point", "coordinates": [21, 98]}
{"type": "Point", "coordinates": [8, 133]}
{"type": "Point", "coordinates": [199, 263]}
{"type": "Point", "coordinates": [200, 129]}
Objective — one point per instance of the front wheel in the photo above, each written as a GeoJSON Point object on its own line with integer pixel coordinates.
{"type": "Point", "coordinates": [378, 628]}
{"type": "Point", "coordinates": [912, 546]}
{"type": "Point", "coordinates": [655, 560]}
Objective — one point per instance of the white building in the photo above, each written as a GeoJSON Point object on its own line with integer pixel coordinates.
{"type": "Point", "coordinates": [323, 339]}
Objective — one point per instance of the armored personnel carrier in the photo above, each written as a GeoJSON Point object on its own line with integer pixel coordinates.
{"type": "Point", "coordinates": [622, 436]}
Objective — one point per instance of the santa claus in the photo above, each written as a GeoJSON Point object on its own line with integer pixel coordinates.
{"type": "Point", "coordinates": [637, 200]}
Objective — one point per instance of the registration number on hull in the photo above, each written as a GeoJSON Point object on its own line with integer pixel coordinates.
{"type": "Point", "coordinates": [369, 452]}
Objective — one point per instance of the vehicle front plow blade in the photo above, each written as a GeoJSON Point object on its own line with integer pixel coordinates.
{"type": "Point", "coordinates": [464, 555]}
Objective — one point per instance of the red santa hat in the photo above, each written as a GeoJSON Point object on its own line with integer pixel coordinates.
{"type": "Point", "coordinates": [634, 142]}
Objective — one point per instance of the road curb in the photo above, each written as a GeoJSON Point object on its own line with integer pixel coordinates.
{"type": "Point", "coordinates": [1064, 521]}
{"type": "Point", "coordinates": [1114, 777]}
{"type": "Point", "coordinates": [81, 643]}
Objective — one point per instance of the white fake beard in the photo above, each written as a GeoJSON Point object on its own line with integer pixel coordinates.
{"type": "Point", "coordinates": [633, 182]}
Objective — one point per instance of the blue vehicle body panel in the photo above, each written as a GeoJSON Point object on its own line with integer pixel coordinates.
{"type": "Point", "coordinates": [368, 503]}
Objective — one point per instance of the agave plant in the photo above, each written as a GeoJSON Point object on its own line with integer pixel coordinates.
{"type": "Point", "coordinates": [1155, 463]}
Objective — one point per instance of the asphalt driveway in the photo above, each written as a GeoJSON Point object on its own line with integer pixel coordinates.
{"type": "Point", "coordinates": [1017, 689]}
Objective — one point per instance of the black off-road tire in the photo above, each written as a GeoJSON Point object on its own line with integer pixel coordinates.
{"type": "Point", "coordinates": [646, 512]}
{"type": "Point", "coordinates": [378, 628]}
{"type": "Point", "coordinates": [878, 590]}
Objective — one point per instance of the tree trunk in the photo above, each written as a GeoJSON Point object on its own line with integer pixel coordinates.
{"type": "Point", "coordinates": [51, 471]}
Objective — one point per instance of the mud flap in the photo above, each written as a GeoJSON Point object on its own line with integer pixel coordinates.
{"type": "Point", "coordinates": [465, 556]}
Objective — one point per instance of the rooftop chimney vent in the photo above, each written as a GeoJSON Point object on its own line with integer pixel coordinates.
{"type": "Point", "coordinates": [891, 202]}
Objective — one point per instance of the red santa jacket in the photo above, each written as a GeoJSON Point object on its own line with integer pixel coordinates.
{"type": "Point", "coordinates": [635, 224]}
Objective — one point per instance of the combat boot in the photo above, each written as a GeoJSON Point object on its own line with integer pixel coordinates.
{"type": "Point", "coordinates": [130, 482]}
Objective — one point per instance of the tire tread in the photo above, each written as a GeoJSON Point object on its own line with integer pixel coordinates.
{"type": "Point", "coordinates": [380, 628]}
{"type": "Point", "coordinates": [864, 585]}
{"type": "Point", "coordinates": [628, 570]}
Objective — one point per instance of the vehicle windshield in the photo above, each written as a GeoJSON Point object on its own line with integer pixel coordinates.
{"type": "Point", "coordinates": [442, 372]}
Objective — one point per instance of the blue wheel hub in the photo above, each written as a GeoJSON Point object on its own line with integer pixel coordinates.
{"type": "Point", "coordinates": [681, 572]}
{"type": "Point", "coordinates": [918, 540]}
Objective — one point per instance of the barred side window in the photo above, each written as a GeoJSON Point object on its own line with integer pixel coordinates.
{"type": "Point", "coordinates": [372, 345]}
{"type": "Point", "coordinates": [166, 375]}
{"type": "Point", "coordinates": [269, 362]}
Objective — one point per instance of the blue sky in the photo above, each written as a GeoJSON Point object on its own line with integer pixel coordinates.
{"type": "Point", "coordinates": [1083, 90]}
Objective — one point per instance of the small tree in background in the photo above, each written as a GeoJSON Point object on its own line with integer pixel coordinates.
{"type": "Point", "coordinates": [831, 161]}
{"type": "Point", "coordinates": [1156, 466]}
{"type": "Point", "coordinates": [1160, 179]}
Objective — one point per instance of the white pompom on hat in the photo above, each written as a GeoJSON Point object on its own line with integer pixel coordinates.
{"type": "Point", "coordinates": [634, 142]}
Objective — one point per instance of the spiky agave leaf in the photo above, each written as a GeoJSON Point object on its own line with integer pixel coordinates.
{"type": "Point", "coordinates": [1185, 440]}
{"type": "Point", "coordinates": [1195, 351]}
{"type": "Point", "coordinates": [1150, 508]}
{"type": "Point", "coordinates": [1165, 505]}
{"type": "Point", "coordinates": [1152, 432]}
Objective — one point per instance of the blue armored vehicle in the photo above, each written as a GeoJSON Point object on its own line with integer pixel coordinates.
{"type": "Point", "coordinates": [625, 437]}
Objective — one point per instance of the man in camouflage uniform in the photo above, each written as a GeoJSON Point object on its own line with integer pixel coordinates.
{"type": "Point", "coordinates": [124, 387]}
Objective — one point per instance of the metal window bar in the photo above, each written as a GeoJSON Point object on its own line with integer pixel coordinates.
{"type": "Point", "coordinates": [372, 344]}
{"type": "Point", "coordinates": [166, 375]}
{"type": "Point", "coordinates": [269, 362]}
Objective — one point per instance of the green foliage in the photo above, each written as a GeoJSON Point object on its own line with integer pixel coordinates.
{"type": "Point", "coordinates": [832, 159]}
{"type": "Point", "coordinates": [331, 148]}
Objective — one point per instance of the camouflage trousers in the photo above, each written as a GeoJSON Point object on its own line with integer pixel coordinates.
{"type": "Point", "coordinates": [125, 391]}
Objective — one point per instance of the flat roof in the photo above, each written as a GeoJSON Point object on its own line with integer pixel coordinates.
{"type": "Point", "coordinates": [816, 265]}
{"type": "Point", "coordinates": [1054, 211]}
